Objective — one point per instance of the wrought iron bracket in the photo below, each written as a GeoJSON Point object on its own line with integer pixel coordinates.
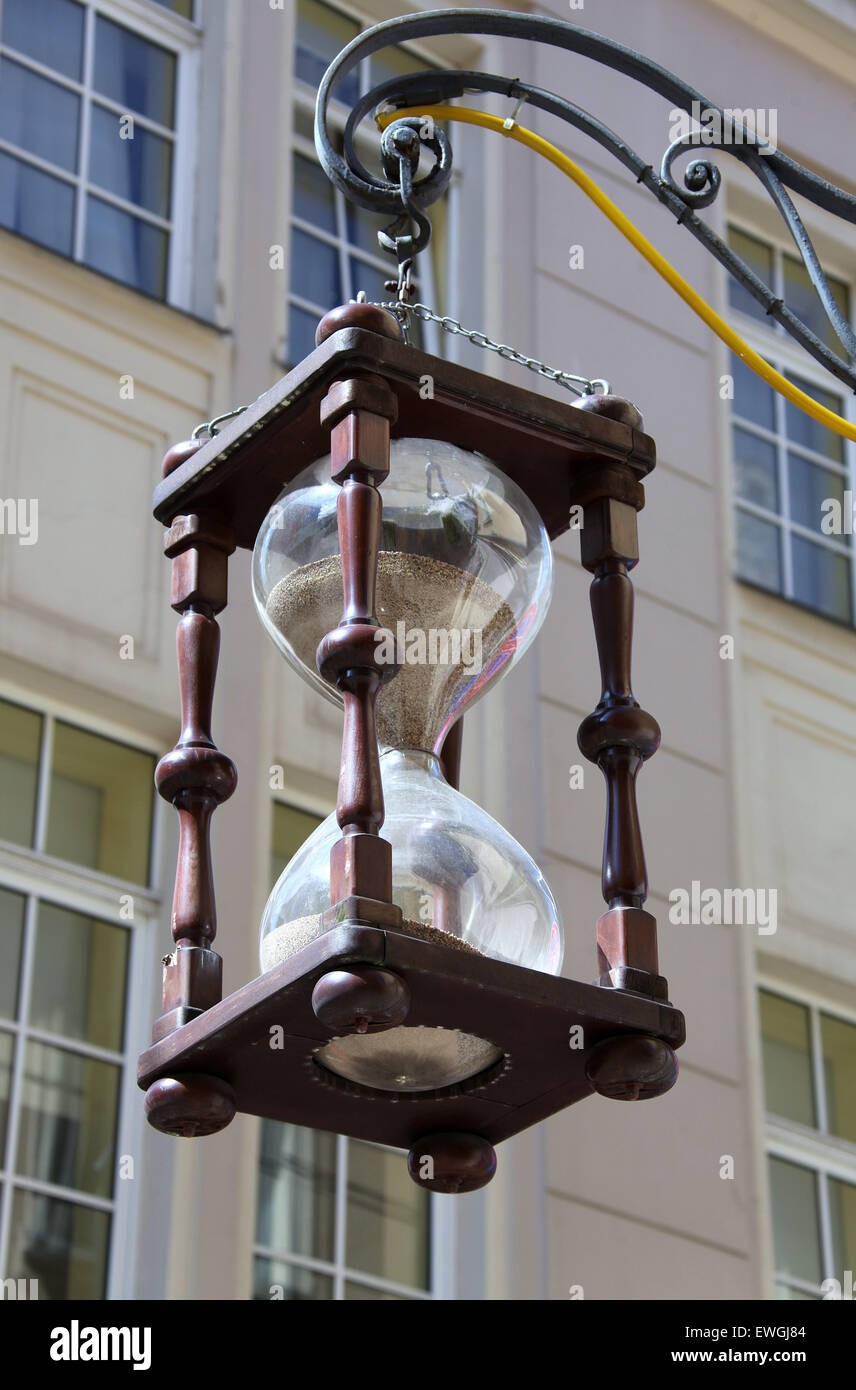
{"type": "Point", "coordinates": [405, 196]}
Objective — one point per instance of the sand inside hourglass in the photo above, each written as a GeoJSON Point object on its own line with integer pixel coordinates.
{"type": "Point", "coordinates": [430, 598]}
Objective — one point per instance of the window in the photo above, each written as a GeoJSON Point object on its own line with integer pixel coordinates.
{"type": "Point", "coordinates": [89, 135]}
{"type": "Point", "coordinates": [336, 1218]}
{"type": "Point", "coordinates": [786, 465]}
{"type": "Point", "coordinates": [809, 1061]}
{"type": "Point", "coordinates": [334, 251]}
{"type": "Point", "coordinates": [76, 814]}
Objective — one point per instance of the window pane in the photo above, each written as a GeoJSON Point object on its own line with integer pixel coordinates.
{"type": "Point", "coordinates": [394, 62]}
{"type": "Point", "coordinates": [810, 486]}
{"type": "Point", "coordinates": [138, 169]}
{"type": "Point", "coordinates": [290, 828]}
{"type": "Point", "coordinates": [363, 228]}
{"type": "Point", "coordinates": [301, 333]}
{"type": "Point", "coordinates": [795, 1295]}
{"type": "Point", "coordinates": [50, 31]}
{"type": "Point", "coordinates": [842, 1209]}
{"type": "Point", "coordinates": [68, 1113]}
{"type": "Point", "coordinates": [36, 205]}
{"type": "Point", "coordinates": [79, 977]}
{"type": "Point", "coordinates": [796, 1231]}
{"type": "Point", "coordinates": [101, 804]}
{"type": "Point", "coordinates": [387, 1220]}
{"type": "Point", "coordinates": [786, 1051]}
{"type": "Point", "coordinates": [62, 1245]}
{"type": "Point", "coordinates": [296, 1198]}
{"type": "Point", "coordinates": [839, 1070]}
{"type": "Point", "coordinates": [321, 34]}
{"type": "Point", "coordinates": [20, 744]}
{"type": "Point", "coordinates": [38, 115]}
{"type": "Point", "coordinates": [367, 278]}
{"type": "Point", "coordinates": [754, 400]}
{"type": "Point", "coordinates": [801, 297]}
{"type": "Point", "coordinates": [802, 429]}
{"type": "Point", "coordinates": [7, 1048]}
{"type": "Point", "coordinates": [756, 474]}
{"type": "Point", "coordinates": [127, 248]}
{"type": "Point", "coordinates": [758, 553]}
{"type": "Point", "coordinates": [759, 257]}
{"type": "Point", "coordinates": [12, 909]}
{"type": "Point", "coordinates": [313, 195]}
{"type": "Point", "coordinates": [315, 270]}
{"type": "Point", "coordinates": [822, 579]}
{"type": "Point", "coordinates": [134, 72]}
{"type": "Point", "coordinates": [275, 1279]}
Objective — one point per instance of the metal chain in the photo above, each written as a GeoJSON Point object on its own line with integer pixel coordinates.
{"type": "Point", "coordinates": [580, 385]}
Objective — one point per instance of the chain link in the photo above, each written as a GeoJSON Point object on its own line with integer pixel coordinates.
{"type": "Point", "coordinates": [580, 385]}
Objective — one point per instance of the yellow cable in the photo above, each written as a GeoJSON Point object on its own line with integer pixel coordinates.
{"type": "Point", "coordinates": [643, 246]}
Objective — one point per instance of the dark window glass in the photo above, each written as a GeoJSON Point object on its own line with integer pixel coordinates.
{"type": "Point", "coordinates": [758, 551]}
{"type": "Point", "coordinates": [61, 1244]}
{"type": "Point", "coordinates": [39, 116]}
{"type": "Point", "coordinates": [36, 205]}
{"type": "Point", "coordinates": [822, 579]}
{"type": "Point", "coordinates": [134, 72]}
{"type": "Point", "coordinates": [126, 247]}
{"type": "Point", "coordinates": [137, 169]}
{"type": "Point", "coordinates": [50, 31]}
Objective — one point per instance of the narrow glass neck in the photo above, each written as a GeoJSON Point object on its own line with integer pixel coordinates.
{"type": "Point", "coordinates": [400, 759]}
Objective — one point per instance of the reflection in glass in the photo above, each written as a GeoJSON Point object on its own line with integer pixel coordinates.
{"type": "Point", "coordinates": [7, 1049]}
{"type": "Point", "coordinates": [51, 32]}
{"type": "Point", "coordinates": [796, 1227]}
{"type": "Point", "coordinates": [758, 554]}
{"type": "Point", "coordinates": [61, 1244]}
{"type": "Point", "coordinates": [842, 1212]}
{"type": "Point", "coordinates": [138, 170]}
{"type": "Point", "coordinates": [38, 115]}
{"type": "Point", "coordinates": [36, 205]}
{"type": "Point", "coordinates": [126, 247]}
{"type": "Point", "coordinates": [312, 195]}
{"type": "Point", "coordinates": [134, 72]}
{"type": "Point", "coordinates": [315, 270]}
{"type": "Point", "coordinates": [810, 433]}
{"type": "Point", "coordinates": [810, 486]}
{"type": "Point", "coordinates": [296, 1195]}
{"type": "Point", "coordinates": [365, 1292]}
{"type": "Point", "coordinates": [387, 1218]}
{"type": "Point", "coordinates": [759, 257]}
{"type": "Point", "coordinates": [321, 35]}
{"type": "Point", "coordinates": [101, 801]}
{"type": "Point", "coordinates": [13, 907]}
{"type": "Point", "coordinates": [788, 1085]}
{"type": "Point", "coordinates": [800, 295]}
{"type": "Point", "coordinates": [839, 1070]}
{"type": "Point", "coordinates": [756, 477]}
{"type": "Point", "coordinates": [79, 976]}
{"type": "Point", "coordinates": [20, 745]}
{"type": "Point", "coordinates": [753, 398]}
{"type": "Point", "coordinates": [822, 579]}
{"type": "Point", "coordinates": [68, 1119]}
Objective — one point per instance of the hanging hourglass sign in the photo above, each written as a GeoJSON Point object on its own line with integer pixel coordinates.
{"type": "Point", "coordinates": [410, 989]}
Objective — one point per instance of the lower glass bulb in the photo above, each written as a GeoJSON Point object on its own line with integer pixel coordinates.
{"type": "Point", "coordinates": [409, 1059]}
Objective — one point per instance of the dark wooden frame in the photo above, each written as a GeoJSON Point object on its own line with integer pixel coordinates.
{"type": "Point", "coordinates": [209, 1057]}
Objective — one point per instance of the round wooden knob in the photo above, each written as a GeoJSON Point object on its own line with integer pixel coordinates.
{"type": "Point", "coordinates": [614, 408]}
{"type": "Point", "coordinates": [452, 1162]}
{"type": "Point", "coordinates": [366, 316]}
{"type": "Point", "coordinates": [363, 999]}
{"type": "Point", "coordinates": [632, 1068]}
{"type": "Point", "coordinates": [179, 454]}
{"type": "Point", "coordinates": [189, 1106]}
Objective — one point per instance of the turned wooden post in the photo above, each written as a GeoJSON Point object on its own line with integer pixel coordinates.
{"type": "Point", "coordinates": [618, 736]}
{"type": "Point", "coordinates": [195, 777]}
{"type": "Point", "coordinates": [358, 413]}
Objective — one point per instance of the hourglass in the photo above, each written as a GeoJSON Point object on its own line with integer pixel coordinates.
{"type": "Point", "coordinates": [410, 989]}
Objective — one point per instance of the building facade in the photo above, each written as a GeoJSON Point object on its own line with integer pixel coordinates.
{"type": "Point", "coordinates": [167, 244]}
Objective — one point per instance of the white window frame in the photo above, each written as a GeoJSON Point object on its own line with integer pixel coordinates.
{"type": "Point", "coordinates": [824, 1154]}
{"type": "Point", "coordinates": [154, 22]}
{"type": "Point", "coordinates": [777, 347]}
{"type": "Point", "coordinates": [47, 879]}
{"type": "Point", "coordinates": [304, 101]}
{"type": "Point", "coordinates": [441, 1232]}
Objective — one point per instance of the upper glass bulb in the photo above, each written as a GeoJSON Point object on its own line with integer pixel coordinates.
{"type": "Point", "coordinates": [464, 581]}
